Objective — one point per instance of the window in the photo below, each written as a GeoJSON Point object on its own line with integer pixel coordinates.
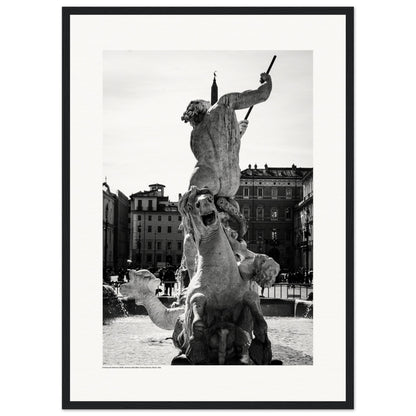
{"type": "Point", "coordinates": [149, 245]}
{"type": "Point", "coordinates": [246, 192]}
{"type": "Point", "coordinates": [158, 257]}
{"type": "Point", "coordinates": [246, 213]}
{"type": "Point", "coordinates": [159, 218]}
{"type": "Point", "coordinates": [149, 217]}
{"type": "Point", "coordinates": [281, 191]}
{"type": "Point", "coordinates": [179, 218]}
{"type": "Point", "coordinates": [139, 228]}
{"type": "Point", "coordinates": [274, 234]}
{"type": "Point", "coordinates": [149, 228]}
{"type": "Point", "coordinates": [259, 192]}
{"type": "Point", "coordinates": [150, 205]}
{"type": "Point", "coordinates": [159, 229]}
{"type": "Point", "coordinates": [149, 258]}
{"type": "Point", "coordinates": [288, 213]}
{"type": "Point", "coordinates": [274, 192]}
{"type": "Point", "coordinates": [139, 218]}
{"type": "Point", "coordinates": [169, 229]}
{"type": "Point", "coordinates": [159, 245]}
{"type": "Point", "coordinates": [169, 217]}
{"type": "Point", "coordinates": [169, 245]}
{"type": "Point", "coordinates": [274, 213]}
{"type": "Point", "coordinates": [179, 245]}
{"type": "Point", "coordinates": [139, 205]}
{"type": "Point", "coordinates": [288, 193]}
{"type": "Point", "coordinates": [260, 213]}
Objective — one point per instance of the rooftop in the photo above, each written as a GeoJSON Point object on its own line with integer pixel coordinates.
{"type": "Point", "coordinates": [274, 172]}
{"type": "Point", "coordinates": [149, 194]}
{"type": "Point", "coordinates": [106, 189]}
{"type": "Point", "coordinates": [158, 185]}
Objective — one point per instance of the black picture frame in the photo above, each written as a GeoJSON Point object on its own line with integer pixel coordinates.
{"type": "Point", "coordinates": [348, 12]}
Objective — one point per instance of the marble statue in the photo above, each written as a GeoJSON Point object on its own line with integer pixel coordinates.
{"type": "Point", "coordinates": [221, 320]}
{"type": "Point", "coordinates": [221, 312]}
{"type": "Point", "coordinates": [215, 143]}
{"type": "Point", "coordinates": [216, 136]}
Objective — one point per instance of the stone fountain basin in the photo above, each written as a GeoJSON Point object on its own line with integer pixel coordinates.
{"type": "Point", "coordinates": [136, 341]}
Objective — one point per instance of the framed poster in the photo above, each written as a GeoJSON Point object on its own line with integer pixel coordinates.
{"type": "Point", "coordinates": [218, 264]}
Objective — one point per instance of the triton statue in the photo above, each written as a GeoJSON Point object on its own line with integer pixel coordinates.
{"type": "Point", "coordinates": [220, 320]}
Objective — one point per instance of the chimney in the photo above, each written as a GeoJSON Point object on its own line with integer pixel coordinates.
{"type": "Point", "coordinates": [249, 166]}
{"type": "Point", "coordinates": [179, 197]}
{"type": "Point", "coordinates": [266, 167]}
{"type": "Point", "coordinates": [214, 90]}
{"type": "Point", "coordinates": [255, 166]}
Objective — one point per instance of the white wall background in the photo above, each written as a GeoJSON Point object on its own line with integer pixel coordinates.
{"type": "Point", "coordinates": [30, 133]}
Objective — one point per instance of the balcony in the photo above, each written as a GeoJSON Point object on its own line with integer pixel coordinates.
{"type": "Point", "coordinates": [305, 199]}
{"type": "Point", "coordinates": [308, 196]}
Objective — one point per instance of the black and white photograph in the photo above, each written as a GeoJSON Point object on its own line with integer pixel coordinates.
{"type": "Point", "coordinates": [208, 184]}
{"type": "Point", "coordinates": [207, 208]}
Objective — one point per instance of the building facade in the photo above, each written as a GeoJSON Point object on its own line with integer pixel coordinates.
{"type": "Point", "coordinates": [155, 236]}
{"type": "Point", "coordinates": [268, 198]}
{"type": "Point", "coordinates": [109, 207]}
{"type": "Point", "coordinates": [121, 231]}
{"type": "Point", "coordinates": [304, 226]}
{"type": "Point", "coordinates": [115, 229]}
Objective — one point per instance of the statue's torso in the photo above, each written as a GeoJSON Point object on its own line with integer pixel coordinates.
{"type": "Point", "coordinates": [215, 142]}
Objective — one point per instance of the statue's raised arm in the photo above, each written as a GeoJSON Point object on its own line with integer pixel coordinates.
{"type": "Point", "coordinates": [246, 99]}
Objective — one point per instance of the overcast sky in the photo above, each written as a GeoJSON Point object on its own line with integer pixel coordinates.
{"type": "Point", "coordinates": [146, 92]}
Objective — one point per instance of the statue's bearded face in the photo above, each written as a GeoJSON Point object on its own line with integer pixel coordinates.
{"type": "Point", "coordinates": [195, 112]}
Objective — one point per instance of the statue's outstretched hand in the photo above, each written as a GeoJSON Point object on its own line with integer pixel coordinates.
{"type": "Point", "coordinates": [265, 78]}
{"type": "Point", "coordinates": [243, 126]}
{"type": "Point", "coordinates": [142, 285]}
